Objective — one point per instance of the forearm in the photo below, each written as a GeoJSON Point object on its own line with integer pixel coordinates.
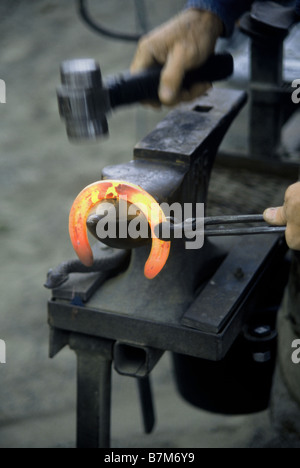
{"type": "Point", "coordinates": [227, 10]}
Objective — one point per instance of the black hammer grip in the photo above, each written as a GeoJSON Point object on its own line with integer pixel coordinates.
{"type": "Point", "coordinates": [129, 89]}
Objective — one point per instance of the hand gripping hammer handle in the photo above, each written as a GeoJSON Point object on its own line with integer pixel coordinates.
{"type": "Point", "coordinates": [128, 88]}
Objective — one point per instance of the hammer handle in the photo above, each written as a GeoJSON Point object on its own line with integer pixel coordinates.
{"type": "Point", "coordinates": [129, 89]}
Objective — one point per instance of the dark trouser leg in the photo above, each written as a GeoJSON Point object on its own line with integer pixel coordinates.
{"type": "Point", "coordinates": [286, 388]}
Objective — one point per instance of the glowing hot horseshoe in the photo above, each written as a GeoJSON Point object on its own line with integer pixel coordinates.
{"type": "Point", "coordinates": [112, 189]}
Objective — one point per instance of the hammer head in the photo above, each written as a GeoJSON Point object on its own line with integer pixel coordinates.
{"type": "Point", "coordinates": [83, 100]}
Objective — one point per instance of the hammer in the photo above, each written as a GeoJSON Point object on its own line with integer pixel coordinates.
{"type": "Point", "coordinates": [85, 100]}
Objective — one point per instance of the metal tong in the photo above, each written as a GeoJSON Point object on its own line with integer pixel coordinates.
{"type": "Point", "coordinates": [190, 225]}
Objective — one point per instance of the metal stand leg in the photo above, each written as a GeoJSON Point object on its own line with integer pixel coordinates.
{"type": "Point", "coordinates": [93, 391]}
{"type": "Point", "coordinates": [147, 406]}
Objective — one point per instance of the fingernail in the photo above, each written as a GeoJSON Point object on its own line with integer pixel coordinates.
{"type": "Point", "coordinates": [270, 214]}
{"type": "Point", "coordinates": [166, 93]}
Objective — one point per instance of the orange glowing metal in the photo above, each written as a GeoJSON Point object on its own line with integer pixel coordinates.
{"type": "Point", "coordinates": [112, 189]}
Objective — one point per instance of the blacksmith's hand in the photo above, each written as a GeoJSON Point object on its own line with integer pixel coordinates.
{"type": "Point", "coordinates": [182, 44]}
{"type": "Point", "coordinates": [288, 215]}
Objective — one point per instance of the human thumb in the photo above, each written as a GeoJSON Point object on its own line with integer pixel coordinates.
{"type": "Point", "coordinates": [275, 216]}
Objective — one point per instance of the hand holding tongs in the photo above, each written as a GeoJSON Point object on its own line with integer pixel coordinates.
{"type": "Point", "coordinates": [191, 225]}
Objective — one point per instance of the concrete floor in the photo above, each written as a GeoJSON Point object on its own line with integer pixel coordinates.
{"type": "Point", "coordinates": [40, 175]}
